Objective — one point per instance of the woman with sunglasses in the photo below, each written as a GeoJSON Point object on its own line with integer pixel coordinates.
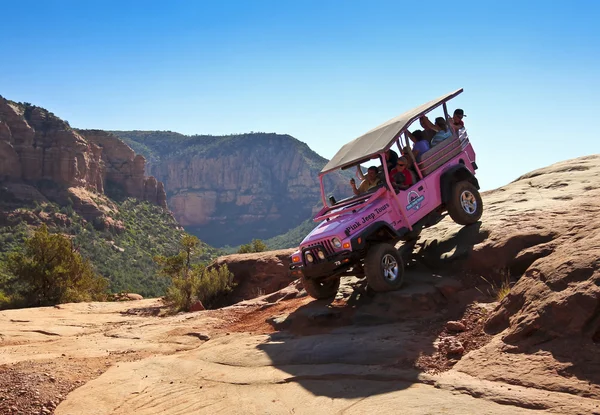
{"type": "Point", "coordinates": [400, 175]}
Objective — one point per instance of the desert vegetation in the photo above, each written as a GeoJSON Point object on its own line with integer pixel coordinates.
{"type": "Point", "coordinates": [256, 245]}
{"type": "Point", "coordinates": [191, 280]}
{"type": "Point", "coordinates": [49, 270]}
{"type": "Point", "coordinates": [122, 255]}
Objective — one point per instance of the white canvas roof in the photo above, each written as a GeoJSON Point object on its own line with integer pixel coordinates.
{"type": "Point", "coordinates": [382, 137]}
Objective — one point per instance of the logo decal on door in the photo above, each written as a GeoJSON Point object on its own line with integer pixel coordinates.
{"type": "Point", "coordinates": [414, 200]}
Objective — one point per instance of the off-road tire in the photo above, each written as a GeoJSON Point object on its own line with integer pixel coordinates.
{"type": "Point", "coordinates": [465, 205]}
{"type": "Point", "coordinates": [320, 290]}
{"type": "Point", "coordinates": [384, 268]}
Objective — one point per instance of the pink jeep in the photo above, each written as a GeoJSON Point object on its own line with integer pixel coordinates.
{"type": "Point", "coordinates": [357, 235]}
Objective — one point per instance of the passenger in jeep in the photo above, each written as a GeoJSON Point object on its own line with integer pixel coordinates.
{"type": "Point", "coordinates": [441, 129]}
{"type": "Point", "coordinates": [456, 121]}
{"type": "Point", "coordinates": [410, 166]}
{"type": "Point", "coordinates": [401, 177]}
{"type": "Point", "coordinates": [420, 146]}
{"type": "Point", "coordinates": [391, 158]}
{"type": "Point", "coordinates": [371, 181]}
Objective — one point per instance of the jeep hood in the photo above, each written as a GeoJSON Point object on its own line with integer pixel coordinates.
{"type": "Point", "coordinates": [335, 226]}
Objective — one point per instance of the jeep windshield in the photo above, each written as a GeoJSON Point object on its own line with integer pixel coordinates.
{"type": "Point", "coordinates": [339, 186]}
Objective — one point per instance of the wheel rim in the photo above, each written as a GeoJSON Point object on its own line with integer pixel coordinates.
{"type": "Point", "coordinates": [468, 202]}
{"type": "Point", "coordinates": [390, 267]}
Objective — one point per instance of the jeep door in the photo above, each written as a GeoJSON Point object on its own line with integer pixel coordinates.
{"type": "Point", "coordinates": [415, 201]}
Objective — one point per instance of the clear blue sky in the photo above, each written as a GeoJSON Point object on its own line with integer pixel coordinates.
{"type": "Point", "coordinates": [322, 71]}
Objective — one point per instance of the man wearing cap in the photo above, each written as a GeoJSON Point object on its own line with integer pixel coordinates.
{"type": "Point", "coordinates": [456, 121]}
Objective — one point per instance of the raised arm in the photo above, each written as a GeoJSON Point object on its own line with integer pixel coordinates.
{"type": "Point", "coordinates": [412, 137]}
{"type": "Point", "coordinates": [353, 186]}
{"type": "Point", "coordinates": [428, 125]}
{"type": "Point", "coordinates": [359, 173]}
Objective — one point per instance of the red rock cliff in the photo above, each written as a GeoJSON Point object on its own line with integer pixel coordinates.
{"type": "Point", "coordinates": [37, 145]}
{"type": "Point", "coordinates": [125, 168]}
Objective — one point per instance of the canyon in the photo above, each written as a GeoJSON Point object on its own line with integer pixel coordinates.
{"type": "Point", "coordinates": [228, 190]}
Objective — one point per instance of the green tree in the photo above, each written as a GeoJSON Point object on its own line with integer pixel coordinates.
{"type": "Point", "coordinates": [256, 245]}
{"type": "Point", "coordinates": [245, 249]}
{"type": "Point", "coordinates": [192, 281]}
{"type": "Point", "coordinates": [51, 271]}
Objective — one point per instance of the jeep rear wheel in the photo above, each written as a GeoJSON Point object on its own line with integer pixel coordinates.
{"type": "Point", "coordinates": [465, 206]}
{"type": "Point", "coordinates": [384, 268]}
{"type": "Point", "coordinates": [320, 289]}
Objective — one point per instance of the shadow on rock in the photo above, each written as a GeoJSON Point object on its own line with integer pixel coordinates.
{"type": "Point", "coordinates": [374, 338]}
{"type": "Point", "coordinates": [455, 250]}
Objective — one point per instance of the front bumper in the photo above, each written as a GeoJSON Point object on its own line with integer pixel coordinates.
{"type": "Point", "coordinates": [332, 265]}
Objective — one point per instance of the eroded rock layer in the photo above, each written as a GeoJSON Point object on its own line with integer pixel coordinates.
{"type": "Point", "coordinates": [36, 145]}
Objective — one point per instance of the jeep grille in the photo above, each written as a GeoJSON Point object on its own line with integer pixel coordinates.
{"type": "Point", "coordinates": [314, 248]}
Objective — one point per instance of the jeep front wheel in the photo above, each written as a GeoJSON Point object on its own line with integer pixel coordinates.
{"type": "Point", "coordinates": [320, 289]}
{"type": "Point", "coordinates": [465, 206]}
{"type": "Point", "coordinates": [384, 268]}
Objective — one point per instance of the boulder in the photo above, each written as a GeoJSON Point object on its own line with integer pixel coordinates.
{"type": "Point", "coordinates": [257, 274]}
{"type": "Point", "coordinates": [455, 326]}
{"type": "Point", "coordinates": [127, 297]}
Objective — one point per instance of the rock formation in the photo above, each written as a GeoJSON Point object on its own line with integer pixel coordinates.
{"type": "Point", "coordinates": [126, 169]}
{"type": "Point", "coordinates": [36, 145]}
{"type": "Point", "coordinates": [542, 234]}
{"type": "Point", "coordinates": [232, 189]}
{"type": "Point", "coordinates": [257, 273]}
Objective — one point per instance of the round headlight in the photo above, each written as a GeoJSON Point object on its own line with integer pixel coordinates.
{"type": "Point", "coordinates": [336, 242]}
{"type": "Point", "coordinates": [309, 258]}
{"type": "Point", "coordinates": [321, 255]}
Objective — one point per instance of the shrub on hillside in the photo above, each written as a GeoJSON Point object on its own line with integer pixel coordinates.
{"type": "Point", "coordinates": [256, 245]}
{"type": "Point", "coordinates": [50, 271]}
{"type": "Point", "coordinates": [213, 284]}
{"type": "Point", "coordinates": [4, 300]}
{"type": "Point", "coordinates": [191, 281]}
